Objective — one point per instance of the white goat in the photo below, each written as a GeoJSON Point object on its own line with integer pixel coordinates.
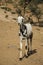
{"type": "Point", "coordinates": [25, 33]}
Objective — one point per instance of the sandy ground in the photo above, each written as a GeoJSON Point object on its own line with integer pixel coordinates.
{"type": "Point", "coordinates": [9, 43]}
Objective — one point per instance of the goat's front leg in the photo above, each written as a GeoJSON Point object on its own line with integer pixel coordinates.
{"type": "Point", "coordinates": [26, 47]}
{"type": "Point", "coordinates": [20, 48]}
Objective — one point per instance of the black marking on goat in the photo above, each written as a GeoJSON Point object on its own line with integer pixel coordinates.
{"type": "Point", "coordinates": [22, 29]}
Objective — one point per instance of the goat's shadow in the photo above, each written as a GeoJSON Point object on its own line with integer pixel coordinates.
{"type": "Point", "coordinates": [31, 53]}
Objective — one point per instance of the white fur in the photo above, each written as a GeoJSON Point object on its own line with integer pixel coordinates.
{"type": "Point", "coordinates": [29, 28]}
{"type": "Point", "coordinates": [20, 18]}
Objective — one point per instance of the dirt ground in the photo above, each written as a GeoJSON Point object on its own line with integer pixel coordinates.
{"type": "Point", "coordinates": [9, 43]}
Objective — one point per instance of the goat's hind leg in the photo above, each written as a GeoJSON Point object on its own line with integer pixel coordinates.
{"type": "Point", "coordinates": [31, 36]}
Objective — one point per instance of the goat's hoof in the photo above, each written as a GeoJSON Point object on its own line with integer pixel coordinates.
{"type": "Point", "coordinates": [20, 59]}
{"type": "Point", "coordinates": [26, 56]}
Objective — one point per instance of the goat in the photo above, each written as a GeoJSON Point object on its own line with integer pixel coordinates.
{"type": "Point", "coordinates": [25, 33]}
